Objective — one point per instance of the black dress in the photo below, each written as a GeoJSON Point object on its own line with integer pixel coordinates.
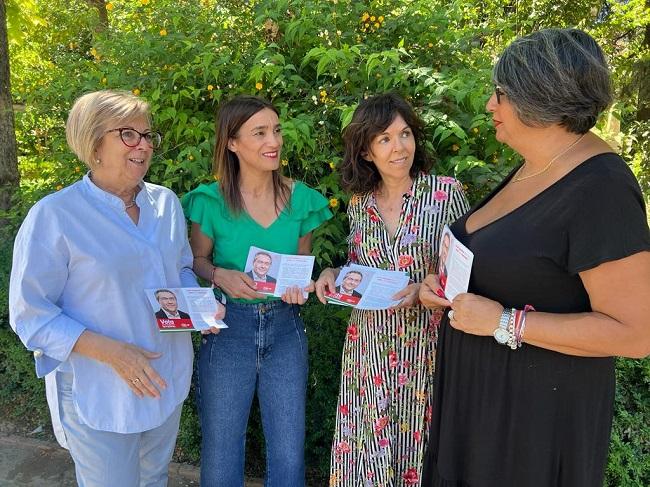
{"type": "Point", "coordinates": [534, 417]}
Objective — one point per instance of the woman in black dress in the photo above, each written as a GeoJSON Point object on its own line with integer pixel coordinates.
{"type": "Point", "coordinates": [526, 399]}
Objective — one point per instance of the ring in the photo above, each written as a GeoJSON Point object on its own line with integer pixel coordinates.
{"type": "Point", "coordinates": [135, 381]}
{"type": "Point", "coordinates": [451, 314]}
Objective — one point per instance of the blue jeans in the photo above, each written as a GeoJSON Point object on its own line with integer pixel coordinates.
{"type": "Point", "coordinates": [106, 459]}
{"type": "Point", "coordinates": [264, 350]}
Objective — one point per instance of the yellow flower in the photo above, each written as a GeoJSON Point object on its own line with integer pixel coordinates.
{"type": "Point", "coordinates": [365, 17]}
{"type": "Point", "coordinates": [285, 162]}
{"type": "Point", "coordinates": [380, 18]}
{"type": "Point", "coordinates": [59, 187]}
{"type": "Point", "coordinates": [332, 166]}
{"type": "Point", "coordinates": [430, 44]}
{"type": "Point", "coordinates": [144, 2]}
{"type": "Point", "coordinates": [136, 91]}
{"type": "Point", "coordinates": [104, 81]}
{"type": "Point", "coordinates": [163, 32]}
{"type": "Point", "coordinates": [323, 93]}
{"type": "Point", "coordinates": [366, 25]}
{"type": "Point", "coordinates": [372, 18]}
{"type": "Point", "coordinates": [455, 147]}
{"type": "Point", "coordinates": [377, 25]}
{"type": "Point", "coordinates": [259, 86]}
{"type": "Point", "coordinates": [190, 157]}
{"type": "Point", "coordinates": [334, 202]}
{"type": "Point", "coordinates": [109, 6]}
{"type": "Point", "coordinates": [210, 87]}
{"type": "Point", "coordinates": [475, 130]}
{"type": "Point", "coordinates": [77, 169]}
{"type": "Point", "coordinates": [93, 52]}
{"type": "Point", "coordinates": [71, 45]}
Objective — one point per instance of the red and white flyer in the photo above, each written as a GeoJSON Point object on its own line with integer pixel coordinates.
{"type": "Point", "coordinates": [454, 265]}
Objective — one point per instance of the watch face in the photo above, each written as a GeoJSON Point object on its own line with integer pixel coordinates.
{"type": "Point", "coordinates": [501, 336]}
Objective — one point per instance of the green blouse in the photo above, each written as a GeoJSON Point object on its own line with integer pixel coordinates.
{"type": "Point", "coordinates": [234, 234]}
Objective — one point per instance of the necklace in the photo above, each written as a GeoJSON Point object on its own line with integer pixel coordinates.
{"type": "Point", "coordinates": [516, 179]}
{"type": "Point", "coordinates": [130, 205]}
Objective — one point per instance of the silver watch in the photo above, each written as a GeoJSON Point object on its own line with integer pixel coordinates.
{"type": "Point", "coordinates": [501, 334]}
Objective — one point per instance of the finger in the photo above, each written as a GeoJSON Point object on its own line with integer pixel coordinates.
{"type": "Point", "coordinates": [154, 377]}
{"type": "Point", "coordinates": [295, 294]}
{"type": "Point", "coordinates": [149, 355]}
{"type": "Point", "coordinates": [320, 291]}
{"type": "Point", "coordinates": [248, 293]}
{"type": "Point", "coordinates": [143, 386]}
{"type": "Point", "coordinates": [147, 388]}
{"type": "Point", "coordinates": [401, 294]}
{"type": "Point", "coordinates": [214, 330]}
{"type": "Point", "coordinates": [311, 287]}
{"type": "Point", "coordinates": [247, 280]}
{"type": "Point", "coordinates": [431, 299]}
{"type": "Point", "coordinates": [134, 389]}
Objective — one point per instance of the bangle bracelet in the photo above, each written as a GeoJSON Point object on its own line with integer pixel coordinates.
{"type": "Point", "coordinates": [214, 269]}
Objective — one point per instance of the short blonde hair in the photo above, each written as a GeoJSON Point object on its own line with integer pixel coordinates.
{"type": "Point", "coordinates": [94, 113]}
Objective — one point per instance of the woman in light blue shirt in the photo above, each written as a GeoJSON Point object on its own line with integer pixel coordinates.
{"type": "Point", "coordinates": [82, 260]}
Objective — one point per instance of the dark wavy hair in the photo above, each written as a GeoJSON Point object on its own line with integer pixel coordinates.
{"type": "Point", "coordinates": [555, 76]}
{"type": "Point", "coordinates": [370, 119]}
{"type": "Point", "coordinates": [231, 116]}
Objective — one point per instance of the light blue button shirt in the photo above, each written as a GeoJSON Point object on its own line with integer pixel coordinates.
{"type": "Point", "coordinates": [81, 263]}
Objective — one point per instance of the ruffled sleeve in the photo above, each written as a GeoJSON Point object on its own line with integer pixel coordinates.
{"type": "Point", "coordinates": [204, 205]}
{"type": "Point", "coordinates": [309, 207]}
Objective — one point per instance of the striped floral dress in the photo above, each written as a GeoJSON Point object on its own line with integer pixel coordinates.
{"type": "Point", "coordinates": [384, 406]}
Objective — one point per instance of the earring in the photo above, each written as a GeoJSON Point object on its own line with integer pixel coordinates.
{"type": "Point", "coordinates": [98, 161]}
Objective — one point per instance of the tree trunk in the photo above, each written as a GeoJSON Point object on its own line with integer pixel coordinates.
{"type": "Point", "coordinates": [103, 14]}
{"type": "Point", "coordinates": [643, 112]}
{"type": "Point", "coordinates": [8, 157]}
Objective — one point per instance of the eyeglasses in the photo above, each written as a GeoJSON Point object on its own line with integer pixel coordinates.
{"type": "Point", "coordinates": [131, 137]}
{"type": "Point", "coordinates": [499, 93]}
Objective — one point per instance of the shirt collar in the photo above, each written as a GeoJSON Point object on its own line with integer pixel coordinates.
{"type": "Point", "coordinates": [109, 198]}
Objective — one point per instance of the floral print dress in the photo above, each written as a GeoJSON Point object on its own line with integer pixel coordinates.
{"type": "Point", "coordinates": [384, 406]}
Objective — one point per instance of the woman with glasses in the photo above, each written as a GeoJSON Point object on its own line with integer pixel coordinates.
{"type": "Point", "coordinates": [82, 260]}
{"type": "Point", "coordinates": [263, 351]}
{"type": "Point", "coordinates": [560, 284]}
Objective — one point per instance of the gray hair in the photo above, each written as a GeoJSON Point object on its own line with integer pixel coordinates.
{"type": "Point", "coordinates": [95, 113]}
{"type": "Point", "coordinates": [555, 76]}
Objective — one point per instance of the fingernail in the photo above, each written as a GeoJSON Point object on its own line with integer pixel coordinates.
{"type": "Point", "coordinates": [440, 293]}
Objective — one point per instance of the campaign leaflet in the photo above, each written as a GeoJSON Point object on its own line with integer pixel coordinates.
{"type": "Point", "coordinates": [454, 265]}
{"type": "Point", "coordinates": [184, 309]}
{"type": "Point", "coordinates": [273, 273]}
{"type": "Point", "coordinates": [365, 287]}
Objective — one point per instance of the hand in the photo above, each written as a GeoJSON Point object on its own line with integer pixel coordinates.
{"type": "Point", "coordinates": [475, 314]}
{"type": "Point", "coordinates": [131, 363]}
{"type": "Point", "coordinates": [431, 293]}
{"type": "Point", "coordinates": [294, 294]}
{"type": "Point", "coordinates": [236, 284]}
{"type": "Point", "coordinates": [219, 315]}
{"type": "Point", "coordinates": [325, 283]}
{"type": "Point", "coordinates": [408, 295]}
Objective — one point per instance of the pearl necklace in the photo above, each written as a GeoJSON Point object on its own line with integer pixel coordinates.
{"type": "Point", "coordinates": [516, 179]}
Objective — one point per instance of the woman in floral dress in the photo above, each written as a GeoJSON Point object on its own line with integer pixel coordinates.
{"type": "Point", "coordinates": [397, 213]}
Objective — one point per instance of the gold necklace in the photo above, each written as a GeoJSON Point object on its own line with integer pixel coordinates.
{"type": "Point", "coordinates": [571, 146]}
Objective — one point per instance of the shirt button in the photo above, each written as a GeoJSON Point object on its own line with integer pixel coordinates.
{"type": "Point", "coordinates": [38, 353]}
